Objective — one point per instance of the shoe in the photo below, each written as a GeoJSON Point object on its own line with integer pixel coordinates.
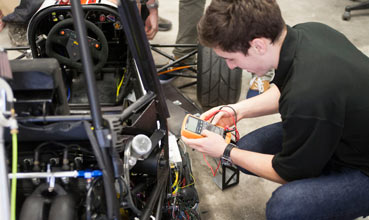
{"type": "Point", "coordinates": [23, 12]}
{"type": "Point", "coordinates": [14, 18]}
{"type": "Point", "coordinates": [164, 24]}
{"type": "Point", "coordinates": [259, 85]}
{"type": "Point", "coordinates": [164, 78]}
{"type": "Point", "coordinates": [18, 34]}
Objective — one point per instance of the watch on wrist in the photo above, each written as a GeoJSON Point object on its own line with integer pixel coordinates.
{"type": "Point", "coordinates": [226, 158]}
{"type": "Point", "coordinates": [153, 5]}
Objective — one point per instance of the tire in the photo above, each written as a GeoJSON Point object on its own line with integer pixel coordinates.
{"type": "Point", "coordinates": [216, 83]}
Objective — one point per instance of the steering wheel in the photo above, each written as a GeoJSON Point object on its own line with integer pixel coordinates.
{"type": "Point", "coordinates": [62, 44]}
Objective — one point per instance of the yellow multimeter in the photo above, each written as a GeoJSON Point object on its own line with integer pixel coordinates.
{"type": "Point", "coordinates": [192, 127]}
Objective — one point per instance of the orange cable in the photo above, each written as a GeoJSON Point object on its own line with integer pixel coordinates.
{"type": "Point", "coordinates": [174, 69]}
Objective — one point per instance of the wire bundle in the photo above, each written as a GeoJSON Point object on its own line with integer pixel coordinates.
{"type": "Point", "coordinates": [183, 200]}
{"type": "Point", "coordinates": [236, 134]}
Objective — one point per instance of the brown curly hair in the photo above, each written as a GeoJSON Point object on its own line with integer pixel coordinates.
{"type": "Point", "coordinates": [231, 24]}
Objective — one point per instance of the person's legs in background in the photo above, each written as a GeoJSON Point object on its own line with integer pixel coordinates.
{"type": "Point", "coordinates": [164, 24]}
{"type": "Point", "coordinates": [18, 20]}
{"type": "Point", "coordinates": [190, 12]}
{"type": "Point", "coordinates": [23, 12]}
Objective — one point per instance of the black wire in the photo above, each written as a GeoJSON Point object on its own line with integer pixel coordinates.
{"type": "Point", "coordinates": [89, 199]}
{"type": "Point", "coordinates": [234, 111]}
{"type": "Point", "coordinates": [121, 189]}
{"type": "Point", "coordinates": [235, 118]}
{"type": "Point", "coordinates": [38, 148]}
{"type": "Point", "coordinates": [33, 128]}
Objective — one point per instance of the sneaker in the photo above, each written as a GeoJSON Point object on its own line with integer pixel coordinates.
{"type": "Point", "coordinates": [18, 34]}
{"type": "Point", "coordinates": [259, 85]}
{"type": "Point", "coordinates": [164, 24]}
{"type": "Point", "coordinates": [164, 78]}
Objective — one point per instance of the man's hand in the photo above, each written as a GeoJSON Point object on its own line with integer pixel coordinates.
{"type": "Point", "coordinates": [222, 118]}
{"type": "Point", "coordinates": [151, 23]}
{"type": "Point", "coordinates": [260, 105]}
{"type": "Point", "coordinates": [211, 144]}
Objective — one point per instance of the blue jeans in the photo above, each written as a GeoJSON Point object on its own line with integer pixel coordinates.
{"type": "Point", "coordinates": [251, 93]}
{"type": "Point", "coordinates": [340, 193]}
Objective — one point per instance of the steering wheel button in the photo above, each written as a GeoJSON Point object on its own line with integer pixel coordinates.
{"type": "Point", "coordinates": [102, 18]}
{"type": "Point", "coordinates": [62, 32]}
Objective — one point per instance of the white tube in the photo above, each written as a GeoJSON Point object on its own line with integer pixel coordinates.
{"type": "Point", "coordinates": [32, 175]}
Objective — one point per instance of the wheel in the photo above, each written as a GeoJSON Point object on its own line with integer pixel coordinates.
{"type": "Point", "coordinates": [62, 44]}
{"type": "Point", "coordinates": [346, 16]}
{"type": "Point", "coordinates": [216, 83]}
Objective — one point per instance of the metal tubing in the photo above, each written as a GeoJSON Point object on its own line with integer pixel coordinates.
{"type": "Point", "coordinates": [160, 204]}
{"type": "Point", "coordinates": [174, 45]}
{"type": "Point", "coordinates": [20, 56]}
{"type": "Point", "coordinates": [181, 75]}
{"type": "Point", "coordinates": [132, 109]}
{"type": "Point", "coordinates": [187, 85]}
{"type": "Point", "coordinates": [32, 175]}
{"type": "Point", "coordinates": [160, 185]}
{"type": "Point", "coordinates": [80, 27]}
{"type": "Point", "coordinates": [110, 194]}
{"type": "Point", "coordinates": [177, 61]}
{"type": "Point", "coordinates": [59, 118]}
{"type": "Point", "coordinates": [140, 49]}
{"type": "Point", "coordinates": [162, 53]}
{"type": "Point", "coordinates": [17, 48]}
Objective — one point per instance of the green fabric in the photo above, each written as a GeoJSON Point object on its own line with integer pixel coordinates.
{"type": "Point", "coordinates": [324, 83]}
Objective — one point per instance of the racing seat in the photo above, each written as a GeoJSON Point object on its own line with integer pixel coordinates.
{"type": "Point", "coordinates": [38, 87]}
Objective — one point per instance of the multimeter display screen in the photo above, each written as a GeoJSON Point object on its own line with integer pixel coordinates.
{"type": "Point", "coordinates": [193, 127]}
{"type": "Point", "coordinates": [192, 124]}
{"type": "Point", "coordinates": [197, 126]}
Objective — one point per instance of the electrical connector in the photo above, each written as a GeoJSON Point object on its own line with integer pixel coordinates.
{"type": "Point", "coordinates": [174, 154]}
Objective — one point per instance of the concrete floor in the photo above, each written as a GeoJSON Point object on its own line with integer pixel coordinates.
{"type": "Point", "coordinates": [247, 200]}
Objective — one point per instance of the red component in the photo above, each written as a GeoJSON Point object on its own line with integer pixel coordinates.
{"type": "Point", "coordinates": [62, 32]}
{"type": "Point", "coordinates": [64, 2]}
{"type": "Point", "coordinates": [102, 18]}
